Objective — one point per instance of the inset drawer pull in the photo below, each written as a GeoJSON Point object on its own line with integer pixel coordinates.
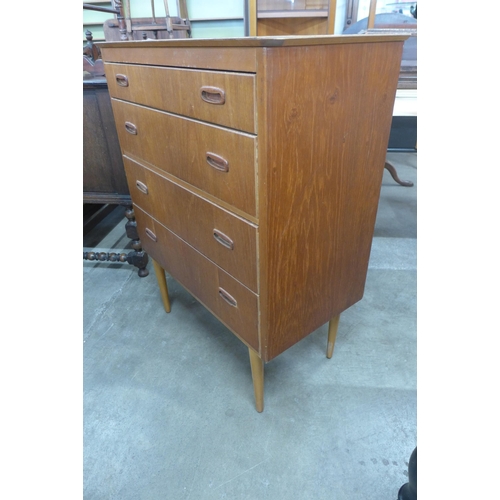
{"type": "Point", "coordinates": [228, 298]}
{"type": "Point", "coordinates": [141, 187]}
{"type": "Point", "coordinates": [130, 128]}
{"type": "Point", "coordinates": [217, 162]}
{"type": "Point", "coordinates": [121, 80]}
{"type": "Point", "coordinates": [151, 235]}
{"type": "Point", "coordinates": [213, 95]}
{"type": "Point", "coordinates": [224, 240]}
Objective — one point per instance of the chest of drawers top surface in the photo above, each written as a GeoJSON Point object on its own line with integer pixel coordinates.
{"type": "Point", "coordinates": [214, 53]}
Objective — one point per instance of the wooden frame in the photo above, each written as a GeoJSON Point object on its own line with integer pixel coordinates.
{"type": "Point", "coordinates": [288, 23]}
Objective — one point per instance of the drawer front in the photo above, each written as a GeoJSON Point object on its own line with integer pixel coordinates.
{"type": "Point", "coordinates": [225, 239]}
{"type": "Point", "coordinates": [213, 96]}
{"type": "Point", "coordinates": [216, 160]}
{"type": "Point", "coordinates": [241, 59]}
{"type": "Point", "coordinates": [235, 305]}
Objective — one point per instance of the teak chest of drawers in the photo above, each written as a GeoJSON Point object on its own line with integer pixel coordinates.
{"type": "Point", "coordinates": [255, 168]}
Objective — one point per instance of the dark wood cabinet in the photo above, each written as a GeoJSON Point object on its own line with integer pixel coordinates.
{"type": "Point", "coordinates": [104, 179]}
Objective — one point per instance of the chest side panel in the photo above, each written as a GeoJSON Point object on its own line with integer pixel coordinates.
{"type": "Point", "coordinates": [328, 117]}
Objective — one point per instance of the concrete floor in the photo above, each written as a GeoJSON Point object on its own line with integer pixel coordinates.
{"type": "Point", "coordinates": [168, 399]}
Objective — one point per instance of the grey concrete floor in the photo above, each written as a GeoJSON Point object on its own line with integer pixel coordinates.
{"type": "Point", "coordinates": [168, 399]}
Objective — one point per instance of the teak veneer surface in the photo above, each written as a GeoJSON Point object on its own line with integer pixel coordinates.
{"type": "Point", "coordinates": [171, 89]}
{"type": "Point", "coordinates": [308, 176]}
{"type": "Point", "coordinates": [207, 53]}
{"type": "Point", "coordinates": [194, 219]}
{"type": "Point", "coordinates": [258, 41]}
{"type": "Point", "coordinates": [180, 146]}
{"type": "Point", "coordinates": [286, 26]}
{"type": "Point", "coordinates": [326, 138]}
{"type": "Point", "coordinates": [202, 278]}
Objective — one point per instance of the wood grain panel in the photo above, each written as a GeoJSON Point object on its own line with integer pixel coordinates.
{"type": "Point", "coordinates": [180, 146]}
{"type": "Point", "coordinates": [327, 134]}
{"type": "Point", "coordinates": [235, 59]}
{"type": "Point", "coordinates": [103, 172]}
{"type": "Point", "coordinates": [292, 26]}
{"type": "Point", "coordinates": [194, 220]}
{"type": "Point", "coordinates": [180, 91]}
{"type": "Point", "coordinates": [202, 278]}
{"type": "Point", "coordinates": [310, 182]}
{"type": "Point", "coordinates": [234, 43]}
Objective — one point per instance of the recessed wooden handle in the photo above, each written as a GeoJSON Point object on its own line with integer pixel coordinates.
{"type": "Point", "coordinates": [217, 162]}
{"type": "Point", "coordinates": [141, 187]}
{"type": "Point", "coordinates": [151, 235]}
{"type": "Point", "coordinates": [213, 95]}
{"type": "Point", "coordinates": [122, 80]}
{"type": "Point", "coordinates": [130, 128]}
{"type": "Point", "coordinates": [224, 240]}
{"type": "Point", "coordinates": [227, 298]}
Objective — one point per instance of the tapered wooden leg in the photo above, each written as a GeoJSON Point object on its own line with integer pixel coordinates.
{"type": "Point", "coordinates": [162, 283]}
{"type": "Point", "coordinates": [332, 334]}
{"type": "Point", "coordinates": [257, 366]}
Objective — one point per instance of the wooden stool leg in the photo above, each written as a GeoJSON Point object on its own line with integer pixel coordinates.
{"type": "Point", "coordinates": [162, 283]}
{"type": "Point", "coordinates": [257, 366]}
{"type": "Point", "coordinates": [332, 334]}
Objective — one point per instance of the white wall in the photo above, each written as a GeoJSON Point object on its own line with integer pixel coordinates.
{"type": "Point", "coordinates": [340, 17]}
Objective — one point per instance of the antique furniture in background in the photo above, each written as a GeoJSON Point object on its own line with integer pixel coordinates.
{"type": "Point", "coordinates": [104, 180]}
{"type": "Point", "coordinates": [317, 17]}
{"type": "Point", "coordinates": [282, 17]}
{"type": "Point", "coordinates": [125, 27]}
{"type": "Point", "coordinates": [393, 24]}
{"type": "Point", "coordinates": [248, 180]}
{"type": "Point", "coordinates": [92, 60]}
{"type": "Point", "coordinates": [403, 135]}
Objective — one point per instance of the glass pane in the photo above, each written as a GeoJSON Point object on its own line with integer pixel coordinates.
{"type": "Point", "coordinates": [222, 9]}
{"type": "Point", "coordinates": [217, 29]}
{"type": "Point", "coordinates": [404, 7]}
{"type": "Point", "coordinates": [146, 7]}
{"type": "Point", "coordinates": [395, 7]}
{"type": "Point", "coordinates": [291, 5]}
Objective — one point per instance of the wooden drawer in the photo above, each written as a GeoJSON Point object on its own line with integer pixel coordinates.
{"type": "Point", "coordinates": [224, 238]}
{"type": "Point", "coordinates": [216, 160]}
{"type": "Point", "coordinates": [214, 96]}
{"type": "Point", "coordinates": [234, 304]}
